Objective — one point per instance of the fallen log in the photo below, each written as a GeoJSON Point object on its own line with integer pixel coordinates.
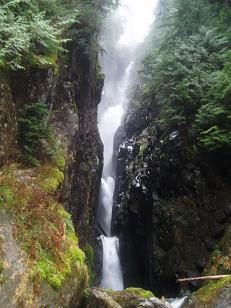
{"type": "Point", "coordinates": [202, 278]}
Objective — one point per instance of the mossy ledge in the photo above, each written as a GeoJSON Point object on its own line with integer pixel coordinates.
{"type": "Point", "coordinates": [42, 227]}
{"type": "Point", "coordinates": [211, 290]}
{"type": "Point", "coordinates": [140, 292]}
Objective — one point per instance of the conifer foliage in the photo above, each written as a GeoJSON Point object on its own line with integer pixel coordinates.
{"type": "Point", "coordinates": [35, 31]}
{"type": "Point", "coordinates": [188, 72]}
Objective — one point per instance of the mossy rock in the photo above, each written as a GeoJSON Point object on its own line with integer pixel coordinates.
{"type": "Point", "coordinates": [89, 254]}
{"type": "Point", "coordinates": [140, 292]}
{"type": "Point", "coordinates": [131, 297]}
{"type": "Point", "coordinates": [210, 290]}
{"type": "Point", "coordinates": [98, 298]}
{"type": "Point", "coordinates": [43, 228]}
{"type": "Point", "coordinates": [128, 298]}
{"type": "Point", "coordinates": [213, 294]}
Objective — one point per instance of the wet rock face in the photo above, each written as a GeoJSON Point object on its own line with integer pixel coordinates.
{"type": "Point", "coordinates": [83, 175]}
{"type": "Point", "coordinates": [172, 204]}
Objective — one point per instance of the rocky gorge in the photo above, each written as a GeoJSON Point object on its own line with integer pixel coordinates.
{"type": "Point", "coordinates": [171, 209]}
{"type": "Point", "coordinates": [70, 175]}
{"type": "Point", "coordinates": [165, 200]}
{"type": "Point", "coordinates": [172, 200]}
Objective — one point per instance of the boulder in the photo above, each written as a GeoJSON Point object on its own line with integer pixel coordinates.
{"type": "Point", "coordinates": [128, 298]}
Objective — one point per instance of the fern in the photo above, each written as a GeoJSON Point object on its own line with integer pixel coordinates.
{"type": "Point", "coordinates": [215, 138]}
{"type": "Point", "coordinates": [33, 129]}
{"type": "Point", "coordinates": [28, 31]}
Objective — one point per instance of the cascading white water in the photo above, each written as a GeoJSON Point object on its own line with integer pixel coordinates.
{"type": "Point", "coordinates": [136, 17]}
{"type": "Point", "coordinates": [178, 302]}
{"type": "Point", "coordinates": [106, 197]}
{"type": "Point", "coordinates": [112, 273]}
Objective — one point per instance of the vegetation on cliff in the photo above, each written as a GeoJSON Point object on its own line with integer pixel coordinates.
{"type": "Point", "coordinates": [187, 73]}
{"type": "Point", "coordinates": [187, 78]}
{"type": "Point", "coordinates": [37, 31]}
{"type": "Point", "coordinates": [35, 42]}
{"type": "Point", "coordinates": [41, 225]}
{"type": "Point", "coordinates": [173, 167]}
{"type": "Point", "coordinates": [210, 290]}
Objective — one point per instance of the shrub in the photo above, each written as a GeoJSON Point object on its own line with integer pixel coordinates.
{"type": "Point", "coordinates": [33, 129]}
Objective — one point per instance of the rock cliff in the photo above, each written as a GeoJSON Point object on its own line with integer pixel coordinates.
{"type": "Point", "coordinates": [71, 90]}
{"type": "Point", "coordinates": [172, 204]}
{"type": "Point", "coordinates": [172, 197]}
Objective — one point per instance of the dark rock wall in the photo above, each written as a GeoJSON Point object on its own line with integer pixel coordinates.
{"type": "Point", "coordinates": [84, 172]}
{"type": "Point", "coordinates": [172, 203]}
{"type": "Point", "coordinates": [8, 125]}
{"type": "Point", "coordinates": [72, 91]}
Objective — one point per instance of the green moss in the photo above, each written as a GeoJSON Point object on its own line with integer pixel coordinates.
{"type": "Point", "coordinates": [54, 270]}
{"type": "Point", "coordinates": [55, 274]}
{"type": "Point", "coordinates": [60, 160]}
{"type": "Point", "coordinates": [44, 61]}
{"type": "Point", "coordinates": [89, 253]}
{"type": "Point", "coordinates": [70, 231]}
{"type": "Point", "coordinates": [42, 226]}
{"type": "Point", "coordinates": [6, 195]}
{"type": "Point", "coordinates": [48, 271]}
{"type": "Point", "coordinates": [141, 292]}
{"type": "Point", "coordinates": [130, 297]}
{"type": "Point", "coordinates": [56, 151]}
{"type": "Point", "coordinates": [75, 254]}
{"type": "Point", "coordinates": [211, 289]}
{"type": "Point", "coordinates": [51, 177]}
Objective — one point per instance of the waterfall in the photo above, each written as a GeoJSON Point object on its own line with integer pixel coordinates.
{"type": "Point", "coordinates": [178, 302]}
{"type": "Point", "coordinates": [112, 273]}
{"type": "Point", "coordinates": [135, 18]}
{"type": "Point", "coordinates": [106, 197]}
